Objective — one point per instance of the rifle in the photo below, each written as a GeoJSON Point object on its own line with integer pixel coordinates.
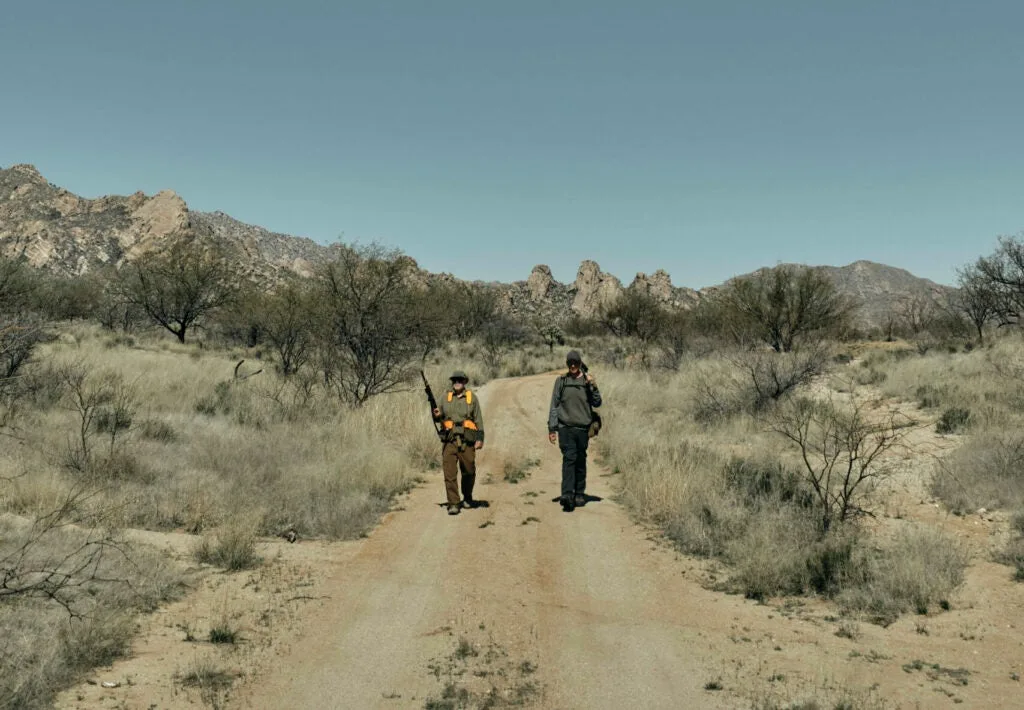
{"type": "Point", "coordinates": [433, 405]}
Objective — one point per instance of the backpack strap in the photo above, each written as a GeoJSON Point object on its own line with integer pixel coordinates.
{"type": "Point", "coordinates": [469, 397]}
{"type": "Point", "coordinates": [561, 388]}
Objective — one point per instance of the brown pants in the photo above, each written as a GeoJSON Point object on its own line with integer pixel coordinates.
{"type": "Point", "coordinates": [451, 461]}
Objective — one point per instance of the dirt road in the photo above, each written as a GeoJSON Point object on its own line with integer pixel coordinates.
{"type": "Point", "coordinates": [582, 597]}
{"type": "Point", "coordinates": [520, 604]}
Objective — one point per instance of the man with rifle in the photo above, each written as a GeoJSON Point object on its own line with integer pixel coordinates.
{"type": "Point", "coordinates": [571, 422]}
{"type": "Point", "coordinates": [460, 425]}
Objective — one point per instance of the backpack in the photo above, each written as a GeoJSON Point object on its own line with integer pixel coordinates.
{"type": "Point", "coordinates": [595, 419]}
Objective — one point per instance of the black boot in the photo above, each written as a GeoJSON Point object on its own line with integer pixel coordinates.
{"type": "Point", "coordinates": [568, 503]}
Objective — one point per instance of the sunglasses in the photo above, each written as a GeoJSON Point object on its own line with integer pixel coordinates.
{"type": "Point", "coordinates": [574, 363]}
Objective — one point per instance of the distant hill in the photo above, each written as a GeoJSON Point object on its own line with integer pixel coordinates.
{"type": "Point", "coordinates": [71, 235]}
{"type": "Point", "coordinates": [878, 287]}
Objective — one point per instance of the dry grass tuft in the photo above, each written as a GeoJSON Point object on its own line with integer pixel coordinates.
{"type": "Point", "coordinates": [232, 547]}
{"type": "Point", "coordinates": [986, 472]}
{"type": "Point", "coordinates": [915, 572]}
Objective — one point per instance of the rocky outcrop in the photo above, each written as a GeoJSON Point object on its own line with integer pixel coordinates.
{"type": "Point", "coordinates": [540, 297]}
{"type": "Point", "coordinates": [659, 286]}
{"type": "Point", "coordinates": [593, 289]}
{"type": "Point", "coordinates": [540, 283]}
{"type": "Point", "coordinates": [71, 235]}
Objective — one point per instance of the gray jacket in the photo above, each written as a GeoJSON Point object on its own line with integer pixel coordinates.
{"type": "Point", "coordinates": [572, 402]}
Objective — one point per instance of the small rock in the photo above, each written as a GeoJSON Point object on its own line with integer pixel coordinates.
{"type": "Point", "coordinates": [982, 511]}
{"type": "Point", "coordinates": [110, 684]}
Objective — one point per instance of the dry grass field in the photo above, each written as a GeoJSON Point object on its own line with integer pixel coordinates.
{"type": "Point", "coordinates": [121, 435]}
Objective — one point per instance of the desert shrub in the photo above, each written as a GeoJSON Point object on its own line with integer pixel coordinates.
{"type": "Point", "coordinates": [223, 632]}
{"type": "Point", "coordinates": [841, 449]}
{"type": "Point", "coordinates": [867, 376]}
{"type": "Point", "coordinates": [953, 420]}
{"type": "Point", "coordinates": [232, 547]}
{"type": "Point", "coordinates": [754, 381]}
{"type": "Point", "coordinates": [158, 430]}
{"type": "Point", "coordinates": [122, 582]}
{"type": "Point", "coordinates": [919, 569]}
{"type": "Point", "coordinates": [987, 471]}
{"type": "Point", "coordinates": [121, 467]}
{"type": "Point", "coordinates": [929, 396]}
{"type": "Point", "coordinates": [758, 481]}
{"type": "Point", "coordinates": [96, 640]}
{"type": "Point", "coordinates": [770, 556]}
{"type": "Point", "coordinates": [771, 376]}
{"type": "Point", "coordinates": [1013, 555]}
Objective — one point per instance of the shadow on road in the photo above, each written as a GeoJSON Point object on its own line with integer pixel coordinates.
{"type": "Point", "coordinates": [587, 498]}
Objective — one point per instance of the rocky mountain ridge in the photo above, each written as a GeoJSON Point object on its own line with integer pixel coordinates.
{"type": "Point", "coordinates": [70, 235]}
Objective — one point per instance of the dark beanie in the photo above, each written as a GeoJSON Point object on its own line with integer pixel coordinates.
{"type": "Point", "coordinates": [573, 356]}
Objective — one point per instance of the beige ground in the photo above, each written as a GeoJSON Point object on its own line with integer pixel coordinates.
{"type": "Point", "coordinates": [552, 610]}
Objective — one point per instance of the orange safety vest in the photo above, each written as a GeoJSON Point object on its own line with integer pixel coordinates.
{"type": "Point", "coordinates": [469, 423]}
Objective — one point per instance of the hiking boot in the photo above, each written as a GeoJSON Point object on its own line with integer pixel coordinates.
{"type": "Point", "coordinates": [468, 502]}
{"type": "Point", "coordinates": [580, 500]}
{"type": "Point", "coordinates": [568, 503]}
{"type": "Point", "coordinates": [454, 508]}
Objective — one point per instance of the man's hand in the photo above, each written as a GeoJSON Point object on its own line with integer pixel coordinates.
{"type": "Point", "coordinates": [590, 379]}
{"type": "Point", "coordinates": [552, 437]}
{"type": "Point", "coordinates": [478, 445]}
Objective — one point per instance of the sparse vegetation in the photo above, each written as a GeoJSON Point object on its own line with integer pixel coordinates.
{"type": "Point", "coordinates": [223, 633]}
{"type": "Point", "coordinates": [482, 678]}
{"type": "Point", "coordinates": [518, 470]}
{"type": "Point", "coordinates": [233, 548]}
{"type": "Point", "coordinates": [81, 590]}
{"type": "Point", "coordinates": [784, 520]}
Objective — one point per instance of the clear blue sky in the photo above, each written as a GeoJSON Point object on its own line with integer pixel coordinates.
{"type": "Point", "coordinates": [482, 138]}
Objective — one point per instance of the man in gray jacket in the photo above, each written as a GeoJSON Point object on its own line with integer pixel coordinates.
{"type": "Point", "coordinates": [572, 406]}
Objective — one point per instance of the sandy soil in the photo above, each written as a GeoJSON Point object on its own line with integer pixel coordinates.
{"type": "Point", "coordinates": [520, 604]}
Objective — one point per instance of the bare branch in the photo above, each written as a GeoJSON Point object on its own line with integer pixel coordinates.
{"type": "Point", "coordinates": [841, 451]}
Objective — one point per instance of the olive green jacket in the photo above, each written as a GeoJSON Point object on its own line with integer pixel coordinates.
{"type": "Point", "coordinates": [457, 413]}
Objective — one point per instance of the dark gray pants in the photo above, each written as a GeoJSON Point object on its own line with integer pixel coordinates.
{"type": "Point", "coordinates": [573, 443]}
